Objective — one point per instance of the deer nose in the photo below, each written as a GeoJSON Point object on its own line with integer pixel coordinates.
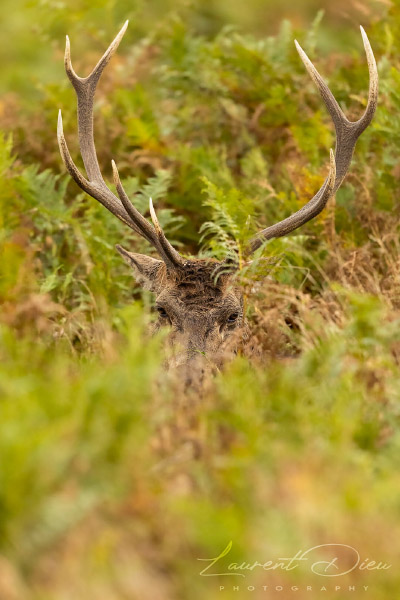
{"type": "Point", "coordinates": [193, 373]}
{"type": "Point", "coordinates": [200, 340]}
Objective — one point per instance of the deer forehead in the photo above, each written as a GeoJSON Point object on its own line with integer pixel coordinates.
{"type": "Point", "coordinates": [196, 289]}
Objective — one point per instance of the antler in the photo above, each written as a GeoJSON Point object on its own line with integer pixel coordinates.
{"type": "Point", "coordinates": [95, 185]}
{"type": "Point", "coordinates": [347, 134]}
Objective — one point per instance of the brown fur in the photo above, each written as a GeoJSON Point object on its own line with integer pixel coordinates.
{"type": "Point", "coordinates": [198, 302]}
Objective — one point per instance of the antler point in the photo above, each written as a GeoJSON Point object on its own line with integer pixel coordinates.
{"type": "Point", "coordinates": [67, 55]}
{"type": "Point", "coordinates": [303, 55]}
{"type": "Point", "coordinates": [154, 216]}
{"type": "Point", "coordinates": [59, 123]}
{"type": "Point", "coordinates": [121, 33]}
{"type": "Point", "coordinates": [117, 180]}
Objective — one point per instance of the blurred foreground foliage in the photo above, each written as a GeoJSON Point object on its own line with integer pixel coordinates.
{"type": "Point", "coordinates": [112, 481]}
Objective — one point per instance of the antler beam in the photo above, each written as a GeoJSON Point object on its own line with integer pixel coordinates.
{"type": "Point", "coordinates": [95, 185]}
{"type": "Point", "coordinates": [347, 134]}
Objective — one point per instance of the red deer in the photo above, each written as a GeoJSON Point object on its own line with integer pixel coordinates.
{"type": "Point", "coordinates": [203, 310]}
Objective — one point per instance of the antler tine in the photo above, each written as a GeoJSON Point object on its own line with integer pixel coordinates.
{"type": "Point", "coordinates": [347, 134]}
{"type": "Point", "coordinates": [172, 254]}
{"type": "Point", "coordinates": [373, 84]}
{"type": "Point", "coordinates": [85, 89]}
{"type": "Point", "coordinates": [95, 185]}
{"type": "Point", "coordinates": [156, 234]}
{"type": "Point", "coordinates": [306, 213]}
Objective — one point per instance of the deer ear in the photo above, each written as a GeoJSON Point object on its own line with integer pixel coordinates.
{"type": "Point", "coordinates": [147, 270]}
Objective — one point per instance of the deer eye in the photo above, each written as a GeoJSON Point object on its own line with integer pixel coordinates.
{"type": "Point", "coordinates": [232, 318]}
{"type": "Point", "coordinates": [162, 312]}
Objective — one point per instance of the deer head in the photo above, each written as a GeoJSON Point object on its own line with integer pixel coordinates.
{"type": "Point", "coordinates": [197, 298]}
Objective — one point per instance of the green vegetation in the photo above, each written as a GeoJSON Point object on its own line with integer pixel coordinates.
{"type": "Point", "coordinates": [113, 482]}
